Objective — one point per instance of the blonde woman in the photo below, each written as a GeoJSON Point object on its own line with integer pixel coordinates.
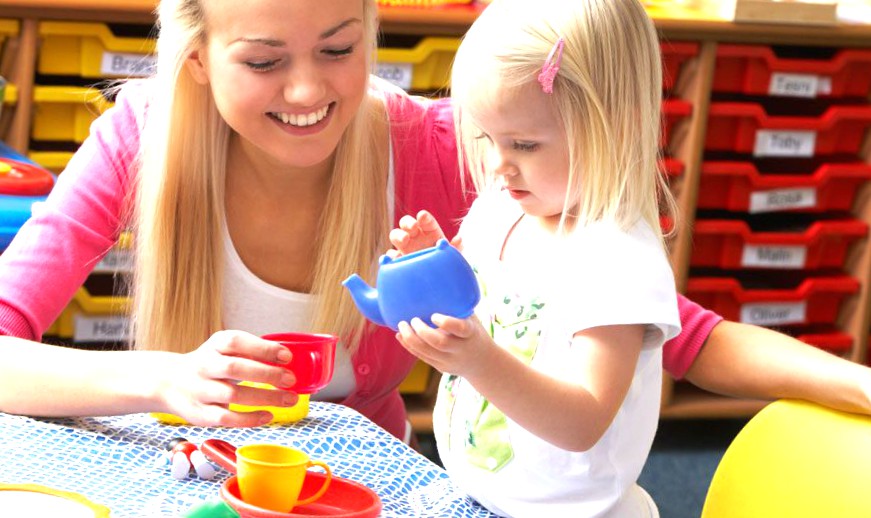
{"type": "Point", "coordinates": [256, 170]}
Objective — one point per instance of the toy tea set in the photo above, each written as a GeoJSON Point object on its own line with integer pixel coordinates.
{"type": "Point", "coordinates": [274, 481]}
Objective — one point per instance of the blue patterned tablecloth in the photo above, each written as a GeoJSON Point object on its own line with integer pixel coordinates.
{"type": "Point", "coordinates": [114, 461]}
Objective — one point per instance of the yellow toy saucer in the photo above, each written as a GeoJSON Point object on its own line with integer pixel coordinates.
{"type": "Point", "coordinates": [280, 415]}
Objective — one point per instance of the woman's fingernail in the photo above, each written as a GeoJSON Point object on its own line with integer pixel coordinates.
{"type": "Point", "coordinates": [283, 356]}
{"type": "Point", "coordinates": [290, 399]}
{"type": "Point", "coordinates": [288, 379]}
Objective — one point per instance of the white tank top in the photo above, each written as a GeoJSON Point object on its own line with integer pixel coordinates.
{"type": "Point", "coordinates": [259, 308]}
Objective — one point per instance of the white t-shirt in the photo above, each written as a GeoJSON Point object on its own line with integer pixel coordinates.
{"type": "Point", "coordinates": [603, 276]}
{"type": "Point", "coordinates": [259, 308]}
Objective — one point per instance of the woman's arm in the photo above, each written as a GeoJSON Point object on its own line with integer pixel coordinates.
{"type": "Point", "coordinates": [750, 361]}
{"type": "Point", "coordinates": [47, 380]}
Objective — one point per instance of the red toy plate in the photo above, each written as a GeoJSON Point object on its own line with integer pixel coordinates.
{"type": "Point", "coordinates": [344, 499]}
{"type": "Point", "coordinates": [22, 179]}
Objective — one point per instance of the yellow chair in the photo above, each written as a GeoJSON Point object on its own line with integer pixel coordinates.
{"type": "Point", "coordinates": [795, 459]}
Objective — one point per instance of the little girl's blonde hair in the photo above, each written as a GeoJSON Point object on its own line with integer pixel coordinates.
{"type": "Point", "coordinates": [178, 215]}
{"type": "Point", "coordinates": [607, 94]}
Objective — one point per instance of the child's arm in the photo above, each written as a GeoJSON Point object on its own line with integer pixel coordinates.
{"type": "Point", "coordinates": [572, 416]}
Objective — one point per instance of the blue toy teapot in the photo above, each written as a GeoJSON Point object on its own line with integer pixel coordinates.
{"type": "Point", "coordinates": [432, 280]}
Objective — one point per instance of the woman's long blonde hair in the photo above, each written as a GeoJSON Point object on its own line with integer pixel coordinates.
{"type": "Point", "coordinates": [607, 95]}
{"type": "Point", "coordinates": [178, 213]}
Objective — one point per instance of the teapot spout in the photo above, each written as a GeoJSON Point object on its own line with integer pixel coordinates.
{"type": "Point", "coordinates": [365, 297]}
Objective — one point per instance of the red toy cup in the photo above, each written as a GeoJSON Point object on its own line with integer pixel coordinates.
{"type": "Point", "coordinates": [314, 356]}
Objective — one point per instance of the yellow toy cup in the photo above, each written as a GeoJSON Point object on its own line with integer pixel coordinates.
{"type": "Point", "coordinates": [271, 476]}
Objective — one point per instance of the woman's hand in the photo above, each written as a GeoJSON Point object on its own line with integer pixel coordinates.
{"type": "Point", "coordinates": [455, 346]}
{"type": "Point", "coordinates": [199, 386]}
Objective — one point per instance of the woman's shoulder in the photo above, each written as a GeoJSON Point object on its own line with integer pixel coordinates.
{"type": "Point", "coordinates": [406, 109]}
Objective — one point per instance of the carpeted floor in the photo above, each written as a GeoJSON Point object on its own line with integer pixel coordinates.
{"type": "Point", "coordinates": [684, 457]}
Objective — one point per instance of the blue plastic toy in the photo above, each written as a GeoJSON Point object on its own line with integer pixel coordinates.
{"type": "Point", "coordinates": [22, 183]}
{"type": "Point", "coordinates": [433, 280]}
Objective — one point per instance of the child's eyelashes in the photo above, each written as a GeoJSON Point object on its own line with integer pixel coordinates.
{"type": "Point", "coordinates": [524, 146]}
{"type": "Point", "coordinates": [516, 145]}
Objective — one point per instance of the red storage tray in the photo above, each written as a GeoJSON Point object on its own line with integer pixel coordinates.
{"type": "Point", "coordinates": [671, 167]}
{"type": "Point", "coordinates": [834, 342]}
{"type": "Point", "coordinates": [747, 128]}
{"type": "Point", "coordinates": [674, 54]}
{"type": "Point", "coordinates": [739, 186]}
{"type": "Point", "coordinates": [817, 300]}
{"type": "Point", "coordinates": [756, 70]}
{"type": "Point", "coordinates": [731, 244]}
{"type": "Point", "coordinates": [673, 111]}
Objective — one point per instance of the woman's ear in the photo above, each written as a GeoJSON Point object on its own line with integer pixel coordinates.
{"type": "Point", "coordinates": [197, 67]}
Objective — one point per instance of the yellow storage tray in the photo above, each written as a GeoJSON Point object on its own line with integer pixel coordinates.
{"type": "Point", "coordinates": [10, 94]}
{"type": "Point", "coordinates": [8, 29]}
{"type": "Point", "coordinates": [92, 50]}
{"type": "Point", "coordinates": [417, 380]}
{"type": "Point", "coordinates": [65, 113]}
{"type": "Point", "coordinates": [92, 318]}
{"type": "Point", "coordinates": [426, 66]}
{"type": "Point", "coordinates": [54, 161]}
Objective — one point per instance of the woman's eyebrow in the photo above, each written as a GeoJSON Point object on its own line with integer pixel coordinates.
{"type": "Point", "coordinates": [330, 32]}
{"type": "Point", "coordinates": [271, 42]}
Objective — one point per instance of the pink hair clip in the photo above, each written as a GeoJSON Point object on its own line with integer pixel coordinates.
{"type": "Point", "coordinates": [551, 66]}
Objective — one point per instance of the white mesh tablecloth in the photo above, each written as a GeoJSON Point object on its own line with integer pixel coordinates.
{"type": "Point", "coordinates": [113, 461]}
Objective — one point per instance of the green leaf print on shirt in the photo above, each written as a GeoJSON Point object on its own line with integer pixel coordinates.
{"type": "Point", "coordinates": [514, 325]}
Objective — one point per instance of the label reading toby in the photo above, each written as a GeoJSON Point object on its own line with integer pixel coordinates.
{"type": "Point", "coordinates": [128, 65]}
{"type": "Point", "coordinates": [785, 143]}
{"type": "Point", "coordinates": [786, 257]}
{"type": "Point", "coordinates": [396, 73]}
{"type": "Point", "coordinates": [783, 199]}
{"type": "Point", "coordinates": [767, 314]}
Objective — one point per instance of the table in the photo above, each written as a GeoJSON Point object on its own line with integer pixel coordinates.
{"type": "Point", "coordinates": [114, 461]}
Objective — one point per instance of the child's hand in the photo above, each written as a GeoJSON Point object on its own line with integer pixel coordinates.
{"type": "Point", "coordinates": [455, 346]}
{"type": "Point", "coordinates": [416, 233]}
{"type": "Point", "coordinates": [200, 385]}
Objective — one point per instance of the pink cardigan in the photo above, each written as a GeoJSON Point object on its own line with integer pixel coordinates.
{"type": "Point", "coordinates": [80, 221]}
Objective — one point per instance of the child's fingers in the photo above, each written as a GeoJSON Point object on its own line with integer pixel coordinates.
{"type": "Point", "coordinates": [427, 221]}
{"type": "Point", "coordinates": [398, 237]}
{"type": "Point", "coordinates": [461, 328]}
{"type": "Point", "coordinates": [435, 338]}
{"type": "Point", "coordinates": [457, 242]}
{"type": "Point", "coordinates": [410, 225]}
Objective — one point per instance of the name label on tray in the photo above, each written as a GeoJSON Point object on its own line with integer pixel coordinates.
{"type": "Point", "coordinates": [799, 85]}
{"type": "Point", "coordinates": [122, 64]}
{"type": "Point", "coordinates": [116, 261]}
{"type": "Point", "coordinates": [109, 328]}
{"type": "Point", "coordinates": [783, 199]}
{"type": "Point", "coordinates": [786, 257]}
{"type": "Point", "coordinates": [397, 73]}
{"type": "Point", "coordinates": [785, 143]}
{"type": "Point", "coordinates": [767, 314]}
